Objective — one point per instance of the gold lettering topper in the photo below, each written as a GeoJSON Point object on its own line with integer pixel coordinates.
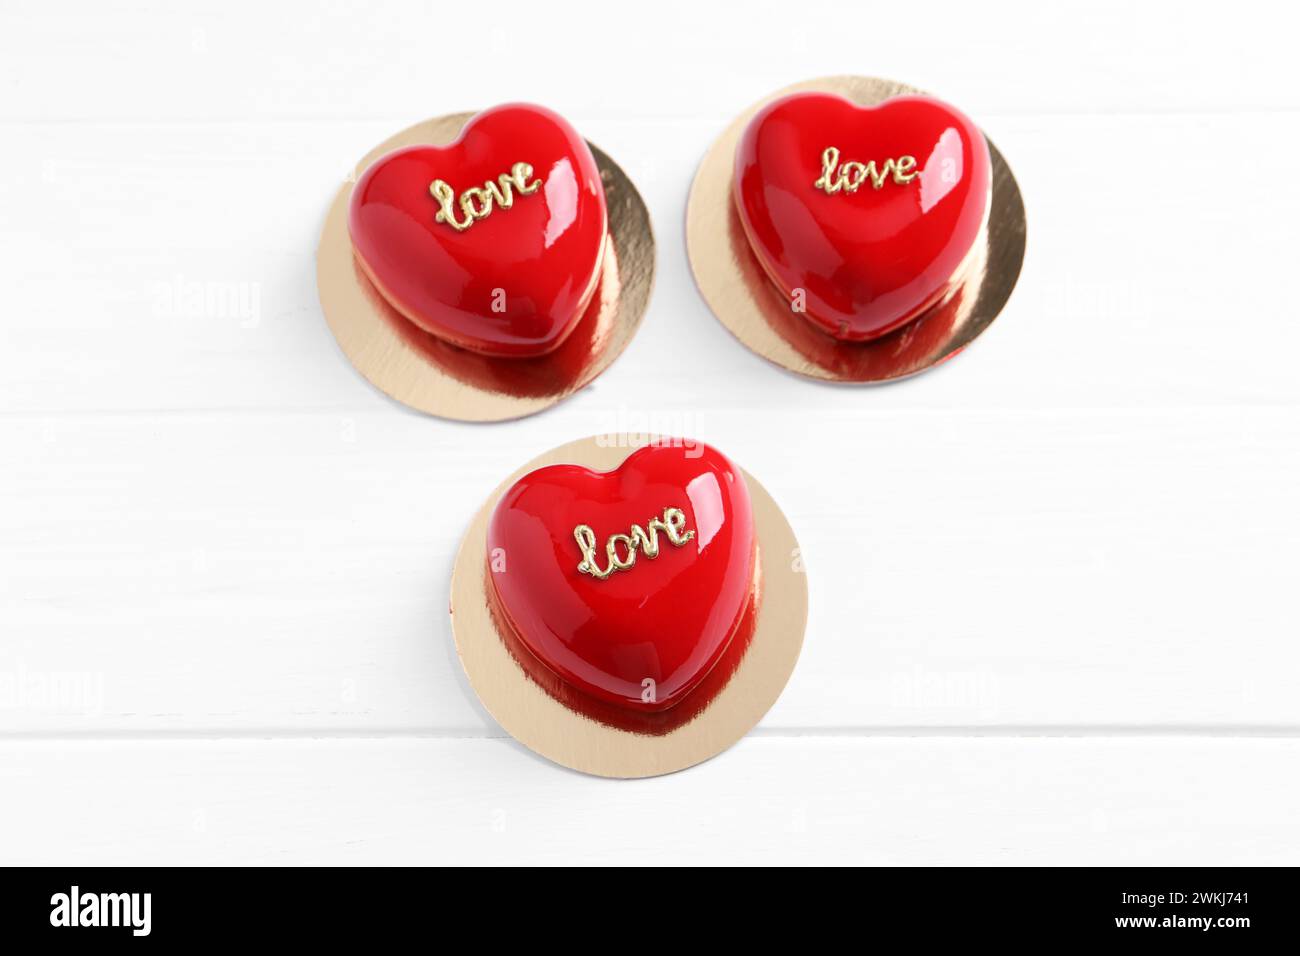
{"type": "Point", "coordinates": [672, 524]}
{"type": "Point", "coordinates": [852, 175]}
{"type": "Point", "coordinates": [477, 203]}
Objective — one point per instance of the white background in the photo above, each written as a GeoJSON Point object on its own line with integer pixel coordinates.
{"type": "Point", "coordinates": [1053, 582]}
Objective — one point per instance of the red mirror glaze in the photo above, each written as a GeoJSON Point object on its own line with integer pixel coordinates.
{"type": "Point", "coordinates": [868, 259]}
{"type": "Point", "coordinates": [512, 282]}
{"type": "Point", "coordinates": [666, 619]}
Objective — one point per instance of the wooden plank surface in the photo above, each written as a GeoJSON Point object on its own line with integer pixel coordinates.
{"type": "Point", "coordinates": [769, 800]}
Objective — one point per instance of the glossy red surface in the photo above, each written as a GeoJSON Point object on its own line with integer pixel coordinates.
{"type": "Point", "coordinates": [871, 260]}
{"type": "Point", "coordinates": [667, 619]}
{"type": "Point", "coordinates": [543, 252]}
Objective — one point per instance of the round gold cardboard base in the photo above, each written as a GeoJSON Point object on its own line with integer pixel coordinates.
{"type": "Point", "coordinates": [543, 724]}
{"type": "Point", "coordinates": [420, 370]}
{"type": "Point", "coordinates": [753, 309]}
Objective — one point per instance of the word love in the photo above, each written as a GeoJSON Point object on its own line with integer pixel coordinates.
{"type": "Point", "coordinates": [852, 175]}
{"type": "Point", "coordinates": [478, 203]}
{"type": "Point", "coordinates": [645, 540]}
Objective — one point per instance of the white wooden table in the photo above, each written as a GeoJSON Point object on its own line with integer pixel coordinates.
{"type": "Point", "coordinates": [1053, 583]}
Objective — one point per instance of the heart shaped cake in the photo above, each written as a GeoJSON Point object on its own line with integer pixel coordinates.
{"type": "Point", "coordinates": [494, 242]}
{"type": "Point", "coordinates": [861, 216]}
{"type": "Point", "coordinates": [629, 584]}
